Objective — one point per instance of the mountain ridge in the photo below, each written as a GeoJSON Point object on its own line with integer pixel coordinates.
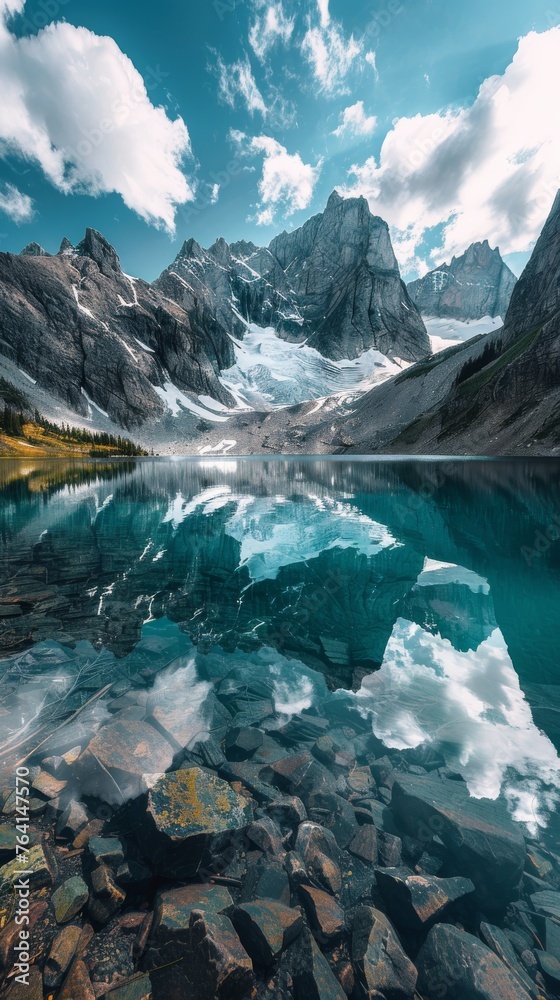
{"type": "Point", "coordinates": [476, 284]}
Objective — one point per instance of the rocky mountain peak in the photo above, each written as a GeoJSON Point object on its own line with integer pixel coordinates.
{"type": "Point", "coordinates": [66, 248]}
{"type": "Point", "coordinates": [97, 248]}
{"type": "Point", "coordinates": [474, 285]}
{"type": "Point", "coordinates": [34, 250]}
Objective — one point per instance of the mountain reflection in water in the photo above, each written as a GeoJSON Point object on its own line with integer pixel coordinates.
{"type": "Point", "coordinates": [424, 595]}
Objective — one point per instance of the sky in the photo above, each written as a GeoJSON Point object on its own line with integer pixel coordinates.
{"type": "Point", "coordinates": [237, 118]}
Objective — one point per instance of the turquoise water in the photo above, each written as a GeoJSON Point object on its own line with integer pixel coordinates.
{"type": "Point", "coordinates": [421, 598]}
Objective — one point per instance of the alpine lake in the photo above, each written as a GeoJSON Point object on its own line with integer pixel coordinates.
{"type": "Point", "coordinates": [291, 727]}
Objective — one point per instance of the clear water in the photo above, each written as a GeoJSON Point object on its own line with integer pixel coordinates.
{"type": "Point", "coordinates": [421, 598]}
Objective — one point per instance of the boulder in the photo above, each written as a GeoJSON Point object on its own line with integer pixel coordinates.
{"type": "Point", "coordinates": [481, 838]}
{"type": "Point", "coordinates": [364, 844]}
{"type": "Point", "coordinates": [118, 756]}
{"type": "Point", "coordinates": [324, 914]}
{"type": "Point", "coordinates": [69, 899]}
{"type": "Point", "coordinates": [60, 956]}
{"type": "Point", "coordinates": [242, 743]}
{"type": "Point", "coordinates": [266, 929]}
{"type": "Point", "coordinates": [77, 983]}
{"type": "Point", "coordinates": [418, 901]}
{"type": "Point", "coordinates": [107, 897]}
{"type": "Point", "coordinates": [454, 965]}
{"type": "Point", "coordinates": [72, 821]}
{"type": "Point", "coordinates": [547, 903]}
{"type": "Point", "coordinates": [382, 968]}
{"type": "Point", "coordinates": [218, 965]}
{"type": "Point", "coordinates": [311, 975]}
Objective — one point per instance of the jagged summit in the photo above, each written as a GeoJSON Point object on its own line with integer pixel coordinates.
{"type": "Point", "coordinates": [474, 285]}
{"type": "Point", "coordinates": [333, 283]}
{"type": "Point", "coordinates": [34, 250]}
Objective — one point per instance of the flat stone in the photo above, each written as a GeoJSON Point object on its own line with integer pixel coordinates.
{"type": "Point", "coordinates": [382, 967]}
{"type": "Point", "coordinates": [192, 802]}
{"type": "Point", "coordinates": [127, 749]}
{"type": "Point", "coordinates": [69, 899]}
{"type": "Point", "coordinates": [173, 908]}
{"type": "Point", "coordinates": [106, 851]}
{"type": "Point", "coordinates": [501, 945]}
{"type": "Point", "coordinates": [60, 956]}
{"type": "Point", "coordinates": [49, 786]}
{"type": "Point", "coordinates": [454, 965]}
{"type": "Point", "coordinates": [242, 743]}
{"type": "Point", "coordinates": [266, 928]}
{"type": "Point", "coordinates": [364, 845]}
{"type": "Point", "coordinates": [324, 914]}
{"type": "Point", "coordinates": [547, 903]}
{"type": "Point", "coordinates": [417, 901]}
{"type": "Point", "coordinates": [77, 983]}
{"type": "Point", "coordinates": [479, 834]}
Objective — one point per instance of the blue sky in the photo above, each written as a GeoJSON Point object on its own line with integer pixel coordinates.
{"type": "Point", "coordinates": [254, 111]}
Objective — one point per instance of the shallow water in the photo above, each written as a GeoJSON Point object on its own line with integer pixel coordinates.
{"type": "Point", "coordinates": [421, 598]}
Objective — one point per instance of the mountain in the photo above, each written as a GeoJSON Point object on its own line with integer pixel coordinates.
{"type": "Point", "coordinates": [473, 286]}
{"type": "Point", "coordinates": [498, 393]}
{"type": "Point", "coordinates": [334, 284]}
{"type": "Point", "coordinates": [90, 335]}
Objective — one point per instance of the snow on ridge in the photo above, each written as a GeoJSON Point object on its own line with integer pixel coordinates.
{"type": "Point", "coordinates": [444, 333]}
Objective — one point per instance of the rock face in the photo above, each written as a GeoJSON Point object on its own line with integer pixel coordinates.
{"type": "Point", "coordinates": [334, 283]}
{"type": "Point", "coordinates": [475, 285]}
{"type": "Point", "coordinates": [83, 329]}
{"type": "Point", "coordinates": [453, 965]}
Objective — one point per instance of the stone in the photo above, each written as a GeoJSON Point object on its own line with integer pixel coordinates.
{"type": "Point", "coordinates": [417, 901]}
{"type": "Point", "coordinates": [132, 872]}
{"type": "Point", "coordinates": [106, 851]}
{"type": "Point", "coordinates": [193, 802]}
{"type": "Point", "coordinates": [173, 908]}
{"type": "Point", "coordinates": [92, 829]}
{"type": "Point", "coordinates": [454, 965]}
{"type": "Point", "coordinates": [127, 750]}
{"type": "Point", "coordinates": [77, 983]}
{"type": "Point", "coordinates": [267, 836]}
{"type": "Point", "coordinates": [266, 929]}
{"type": "Point", "coordinates": [60, 956]}
{"type": "Point", "coordinates": [335, 813]}
{"type": "Point", "coordinates": [389, 849]}
{"type": "Point", "coordinates": [41, 876]}
{"type": "Point", "coordinates": [552, 937]}
{"type": "Point", "coordinates": [8, 841]}
{"type": "Point", "coordinates": [321, 855]}
{"type": "Point", "coordinates": [364, 845]}
{"type": "Point", "coordinates": [324, 914]}
{"type": "Point", "coordinates": [266, 880]}
{"type": "Point", "coordinates": [218, 964]}
{"type": "Point", "coordinates": [107, 897]}
{"type": "Point", "coordinates": [547, 903]}
{"type": "Point", "coordinates": [22, 991]}
{"type": "Point", "coordinates": [501, 945]}
{"type": "Point", "coordinates": [382, 967]}
{"type": "Point", "coordinates": [302, 775]}
{"type": "Point", "coordinates": [72, 821]}
{"type": "Point", "coordinates": [69, 899]}
{"type": "Point", "coordinates": [241, 744]}
{"type": "Point", "coordinates": [550, 968]}
{"type": "Point", "coordinates": [288, 811]}
{"type": "Point", "coordinates": [480, 836]}
{"type": "Point", "coordinates": [48, 786]}
{"type": "Point", "coordinates": [311, 975]}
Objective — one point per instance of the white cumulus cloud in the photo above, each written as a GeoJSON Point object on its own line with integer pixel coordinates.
{"type": "Point", "coordinates": [236, 81]}
{"type": "Point", "coordinates": [270, 26]}
{"type": "Point", "coordinates": [76, 106]}
{"type": "Point", "coordinates": [15, 204]}
{"type": "Point", "coordinates": [488, 171]}
{"type": "Point", "coordinates": [355, 122]}
{"type": "Point", "coordinates": [286, 182]}
{"type": "Point", "coordinates": [324, 12]}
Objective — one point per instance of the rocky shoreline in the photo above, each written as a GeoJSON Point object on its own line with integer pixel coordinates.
{"type": "Point", "coordinates": [272, 859]}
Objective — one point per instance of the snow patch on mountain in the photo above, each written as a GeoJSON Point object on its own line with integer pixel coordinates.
{"type": "Point", "coordinates": [445, 333]}
{"type": "Point", "coordinates": [270, 372]}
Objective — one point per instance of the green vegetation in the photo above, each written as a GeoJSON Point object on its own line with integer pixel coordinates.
{"type": "Point", "coordinates": [480, 379]}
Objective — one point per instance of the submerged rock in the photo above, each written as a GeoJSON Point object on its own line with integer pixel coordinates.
{"type": "Point", "coordinates": [324, 914]}
{"type": "Point", "coordinates": [311, 974]}
{"type": "Point", "coordinates": [454, 965]}
{"type": "Point", "coordinates": [382, 967]}
{"type": "Point", "coordinates": [266, 929]}
{"type": "Point", "coordinates": [60, 956]}
{"type": "Point", "coordinates": [69, 899]}
{"type": "Point", "coordinates": [479, 834]}
{"type": "Point", "coordinates": [417, 901]}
